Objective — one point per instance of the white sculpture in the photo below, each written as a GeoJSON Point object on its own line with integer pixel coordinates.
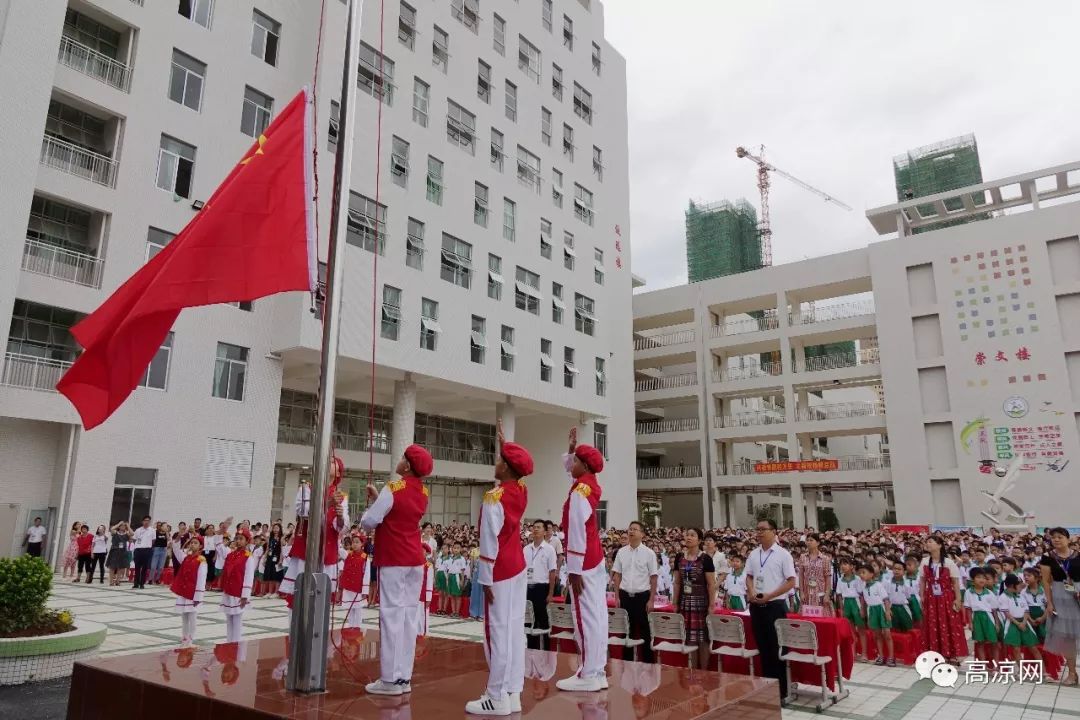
{"type": "Point", "coordinates": [1017, 518]}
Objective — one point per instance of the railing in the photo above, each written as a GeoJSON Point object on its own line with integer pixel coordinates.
{"type": "Point", "coordinates": [814, 314]}
{"type": "Point", "coordinates": [772, 416]}
{"type": "Point", "coordinates": [97, 65]}
{"type": "Point", "coordinates": [295, 436]}
{"type": "Point", "coordinates": [669, 473]}
{"type": "Point", "coordinates": [731, 374]}
{"type": "Point", "coordinates": [463, 455]}
{"type": "Point", "coordinates": [653, 427]}
{"type": "Point", "coordinates": [664, 383]}
{"type": "Point", "coordinates": [842, 410]}
{"type": "Point", "coordinates": [74, 267]}
{"type": "Point", "coordinates": [33, 373]}
{"type": "Point", "coordinates": [745, 466]}
{"type": "Point", "coordinates": [869, 356]}
{"type": "Point", "coordinates": [655, 341]}
{"type": "Point", "coordinates": [74, 160]}
{"type": "Point", "coordinates": [740, 325]}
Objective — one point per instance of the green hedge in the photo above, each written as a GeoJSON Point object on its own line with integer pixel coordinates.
{"type": "Point", "coordinates": [25, 583]}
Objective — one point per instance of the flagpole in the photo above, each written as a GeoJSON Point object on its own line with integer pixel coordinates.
{"type": "Point", "coordinates": [309, 630]}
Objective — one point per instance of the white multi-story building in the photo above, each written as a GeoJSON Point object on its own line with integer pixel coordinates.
{"type": "Point", "coordinates": [500, 233]}
{"type": "Point", "coordinates": [964, 353]}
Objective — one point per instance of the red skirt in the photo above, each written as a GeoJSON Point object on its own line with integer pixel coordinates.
{"type": "Point", "coordinates": [943, 627]}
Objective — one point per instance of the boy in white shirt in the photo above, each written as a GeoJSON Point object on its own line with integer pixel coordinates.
{"type": "Point", "coordinates": [899, 594]}
{"type": "Point", "coordinates": [1035, 598]}
{"type": "Point", "coordinates": [1019, 633]}
{"type": "Point", "coordinates": [735, 584]}
{"type": "Point", "coordinates": [849, 601]}
{"type": "Point", "coordinates": [878, 614]}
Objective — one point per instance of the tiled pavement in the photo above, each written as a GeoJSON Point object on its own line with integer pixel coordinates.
{"type": "Point", "coordinates": [144, 620]}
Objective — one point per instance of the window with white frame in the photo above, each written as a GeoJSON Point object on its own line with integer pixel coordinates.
{"type": "Point", "coordinates": [399, 161]}
{"type": "Point", "coordinates": [568, 32]}
{"type": "Point", "coordinates": [600, 443]}
{"type": "Point", "coordinates": [556, 188]}
{"type": "Point", "coordinates": [556, 81]}
{"type": "Point", "coordinates": [557, 304]}
{"type": "Point", "coordinates": [429, 324]}
{"type": "Point", "coordinates": [391, 312]}
{"type": "Point", "coordinates": [255, 115]}
{"type": "Point", "coordinates": [156, 375]}
{"type": "Point", "coordinates": [434, 180]}
{"type": "Point", "coordinates": [186, 80]}
{"type": "Point", "coordinates": [197, 11]}
{"type": "Point", "coordinates": [407, 25]}
{"type": "Point", "coordinates": [583, 103]}
{"type": "Point", "coordinates": [332, 130]}
{"type": "Point", "coordinates": [569, 254]}
{"type": "Point", "coordinates": [528, 169]}
{"type": "Point", "coordinates": [483, 81]}
{"type": "Point", "coordinates": [511, 101]}
{"type": "Point", "coordinates": [230, 371]}
{"type": "Point", "coordinates": [176, 166]}
{"type": "Point", "coordinates": [598, 163]}
{"type": "Point", "coordinates": [509, 220]}
{"type": "Point", "coordinates": [265, 37]}
{"type": "Point", "coordinates": [570, 370]}
{"type": "Point", "coordinates": [601, 377]}
{"type": "Point", "coordinates": [527, 291]}
{"type": "Point", "coordinates": [583, 205]}
{"type": "Point", "coordinates": [478, 340]}
{"type": "Point", "coordinates": [546, 11]}
{"type": "Point", "coordinates": [596, 59]}
{"type": "Point", "coordinates": [545, 360]}
{"type": "Point", "coordinates": [545, 238]}
{"type": "Point", "coordinates": [529, 59]}
{"type": "Point", "coordinates": [497, 149]}
{"type": "Point", "coordinates": [366, 226]}
{"type": "Point", "coordinates": [480, 204]}
{"type": "Point", "coordinates": [156, 240]}
{"type": "Point", "coordinates": [467, 12]}
{"type": "Point", "coordinates": [499, 32]}
{"type": "Point", "coordinates": [584, 314]}
{"type": "Point", "coordinates": [495, 278]}
{"type": "Point", "coordinates": [456, 264]}
{"type": "Point", "coordinates": [506, 349]}
{"type": "Point", "coordinates": [598, 266]}
{"type": "Point", "coordinates": [376, 74]}
{"type": "Point", "coordinates": [460, 127]}
{"type": "Point", "coordinates": [414, 245]}
{"type": "Point", "coordinates": [568, 141]}
{"type": "Point", "coordinates": [421, 99]}
{"type": "Point", "coordinates": [440, 49]}
{"type": "Point", "coordinates": [545, 126]}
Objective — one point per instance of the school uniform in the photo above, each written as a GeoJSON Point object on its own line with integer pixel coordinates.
{"type": "Point", "coordinates": [735, 589]}
{"type": "Point", "coordinates": [333, 526]}
{"type": "Point", "coordinates": [189, 586]}
{"type": "Point", "coordinates": [352, 581]}
{"type": "Point", "coordinates": [983, 606]}
{"type": "Point", "coordinates": [1014, 608]}
{"type": "Point", "coordinates": [1036, 604]}
{"type": "Point", "coordinates": [237, 579]}
{"type": "Point", "coordinates": [850, 589]}
{"type": "Point", "coordinates": [440, 573]}
{"type": "Point", "coordinates": [911, 582]}
{"type": "Point", "coordinates": [898, 602]}
{"type": "Point", "coordinates": [875, 595]}
{"type": "Point", "coordinates": [456, 567]}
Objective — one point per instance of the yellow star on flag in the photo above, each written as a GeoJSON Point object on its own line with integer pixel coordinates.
{"type": "Point", "coordinates": [258, 150]}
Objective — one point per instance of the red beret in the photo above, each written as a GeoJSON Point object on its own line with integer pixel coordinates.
{"type": "Point", "coordinates": [419, 460]}
{"type": "Point", "coordinates": [591, 457]}
{"type": "Point", "coordinates": [518, 458]}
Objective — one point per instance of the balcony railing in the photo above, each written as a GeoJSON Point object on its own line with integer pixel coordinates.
{"type": "Point", "coordinates": [740, 325]}
{"type": "Point", "coordinates": [731, 374]}
{"type": "Point", "coordinates": [745, 466]}
{"type": "Point", "coordinates": [74, 267]}
{"type": "Point", "coordinates": [836, 411]}
{"type": "Point", "coordinates": [97, 65]}
{"type": "Point", "coordinates": [868, 356]}
{"type": "Point", "coordinates": [654, 427]}
{"type": "Point", "coordinates": [669, 473]}
{"type": "Point", "coordinates": [463, 455]}
{"type": "Point", "coordinates": [772, 416]}
{"type": "Point", "coordinates": [838, 311]}
{"type": "Point", "coordinates": [657, 341]}
{"type": "Point", "coordinates": [74, 160]}
{"type": "Point", "coordinates": [295, 435]}
{"type": "Point", "coordinates": [33, 373]}
{"type": "Point", "coordinates": [664, 383]}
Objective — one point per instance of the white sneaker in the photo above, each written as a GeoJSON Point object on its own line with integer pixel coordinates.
{"type": "Point", "coordinates": [405, 685]}
{"type": "Point", "coordinates": [515, 702]}
{"type": "Point", "coordinates": [580, 684]}
{"type": "Point", "coordinates": [603, 682]}
{"type": "Point", "coordinates": [488, 706]}
{"type": "Point", "coordinates": [383, 688]}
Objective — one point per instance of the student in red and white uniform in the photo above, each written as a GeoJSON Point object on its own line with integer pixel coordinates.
{"type": "Point", "coordinates": [189, 584]}
{"type": "Point", "coordinates": [352, 582]}
{"type": "Point", "coordinates": [586, 575]}
{"type": "Point", "coordinates": [237, 579]}
{"type": "Point", "coordinates": [394, 515]}
{"type": "Point", "coordinates": [502, 575]}
{"type": "Point", "coordinates": [335, 522]}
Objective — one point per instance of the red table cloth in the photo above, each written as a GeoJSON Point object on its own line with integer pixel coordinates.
{"type": "Point", "coordinates": [464, 612]}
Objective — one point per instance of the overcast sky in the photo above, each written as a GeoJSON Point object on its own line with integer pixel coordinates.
{"type": "Point", "coordinates": [834, 90]}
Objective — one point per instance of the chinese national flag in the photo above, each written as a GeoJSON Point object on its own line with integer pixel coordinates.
{"type": "Point", "coordinates": [254, 237]}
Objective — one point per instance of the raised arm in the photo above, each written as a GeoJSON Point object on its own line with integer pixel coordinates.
{"type": "Point", "coordinates": [378, 510]}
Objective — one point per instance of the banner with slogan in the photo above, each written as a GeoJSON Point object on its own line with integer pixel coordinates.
{"type": "Point", "coordinates": [976, 529]}
{"type": "Point", "coordinates": [796, 466]}
{"type": "Point", "coordinates": [887, 527]}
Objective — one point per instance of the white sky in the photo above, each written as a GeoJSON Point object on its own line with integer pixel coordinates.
{"type": "Point", "coordinates": [834, 89]}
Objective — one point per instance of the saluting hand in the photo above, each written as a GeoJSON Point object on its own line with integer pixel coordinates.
{"type": "Point", "coordinates": [499, 432]}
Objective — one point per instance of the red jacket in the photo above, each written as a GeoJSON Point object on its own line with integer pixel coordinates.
{"type": "Point", "coordinates": [590, 489]}
{"type": "Point", "coordinates": [185, 581]}
{"type": "Point", "coordinates": [352, 575]}
{"type": "Point", "coordinates": [510, 561]}
{"type": "Point", "coordinates": [232, 573]}
{"type": "Point", "coordinates": [397, 538]}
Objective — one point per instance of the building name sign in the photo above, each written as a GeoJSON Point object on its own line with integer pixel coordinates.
{"type": "Point", "coordinates": [797, 466]}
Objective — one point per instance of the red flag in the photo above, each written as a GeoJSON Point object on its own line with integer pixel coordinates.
{"type": "Point", "coordinates": [254, 237]}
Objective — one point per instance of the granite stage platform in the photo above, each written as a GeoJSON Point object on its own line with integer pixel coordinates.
{"type": "Point", "coordinates": [246, 680]}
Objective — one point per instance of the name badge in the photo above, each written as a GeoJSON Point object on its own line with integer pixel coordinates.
{"type": "Point", "coordinates": [1069, 586]}
{"type": "Point", "coordinates": [687, 588]}
{"type": "Point", "coordinates": [935, 588]}
{"type": "Point", "coordinates": [529, 574]}
{"type": "Point", "coordinates": [812, 583]}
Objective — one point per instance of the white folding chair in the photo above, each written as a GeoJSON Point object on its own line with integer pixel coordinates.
{"type": "Point", "coordinates": [618, 627]}
{"type": "Point", "coordinates": [670, 630]}
{"type": "Point", "coordinates": [729, 629]}
{"type": "Point", "coordinates": [530, 622]}
{"type": "Point", "coordinates": [794, 635]}
{"type": "Point", "coordinates": [562, 619]}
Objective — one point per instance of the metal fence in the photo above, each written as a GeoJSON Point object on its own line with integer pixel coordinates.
{"type": "Point", "coordinates": [74, 267]}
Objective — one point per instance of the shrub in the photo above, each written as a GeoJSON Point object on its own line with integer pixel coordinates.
{"type": "Point", "coordinates": [25, 583]}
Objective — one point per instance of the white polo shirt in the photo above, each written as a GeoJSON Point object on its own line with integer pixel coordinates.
{"type": "Point", "coordinates": [35, 533]}
{"type": "Point", "coordinates": [770, 568]}
{"type": "Point", "coordinates": [144, 537]}
{"type": "Point", "coordinates": [539, 562]}
{"type": "Point", "coordinates": [636, 566]}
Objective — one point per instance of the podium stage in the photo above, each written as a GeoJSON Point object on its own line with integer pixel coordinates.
{"type": "Point", "coordinates": [246, 680]}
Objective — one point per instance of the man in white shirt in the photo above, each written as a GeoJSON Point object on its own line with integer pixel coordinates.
{"type": "Point", "coordinates": [540, 576]}
{"type": "Point", "coordinates": [770, 576]}
{"type": "Point", "coordinates": [634, 574]}
{"type": "Point", "coordinates": [144, 552]}
{"type": "Point", "coordinates": [35, 538]}
{"type": "Point", "coordinates": [552, 537]}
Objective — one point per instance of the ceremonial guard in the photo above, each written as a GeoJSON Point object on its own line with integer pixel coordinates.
{"type": "Point", "coordinates": [189, 584]}
{"type": "Point", "coordinates": [336, 522]}
{"type": "Point", "coordinates": [237, 578]}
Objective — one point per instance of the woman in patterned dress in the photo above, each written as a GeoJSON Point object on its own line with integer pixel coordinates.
{"type": "Point", "coordinates": [71, 552]}
{"type": "Point", "coordinates": [939, 591]}
{"type": "Point", "coordinates": [1060, 572]}
{"type": "Point", "coordinates": [695, 592]}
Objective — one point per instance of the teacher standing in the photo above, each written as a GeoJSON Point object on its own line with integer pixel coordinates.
{"type": "Point", "coordinates": [939, 593]}
{"type": "Point", "coordinates": [770, 576]}
{"type": "Point", "coordinates": [1060, 569]}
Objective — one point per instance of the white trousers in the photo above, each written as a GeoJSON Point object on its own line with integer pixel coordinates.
{"type": "Point", "coordinates": [591, 622]}
{"type": "Point", "coordinates": [353, 603]}
{"type": "Point", "coordinates": [504, 638]}
{"type": "Point", "coordinates": [234, 628]}
{"type": "Point", "coordinates": [399, 604]}
{"type": "Point", "coordinates": [187, 627]}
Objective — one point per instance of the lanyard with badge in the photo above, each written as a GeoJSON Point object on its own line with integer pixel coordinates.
{"type": "Point", "coordinates": [761, 564]}
{"type": "Point", "coordinates": [935, 587]}
{"type": "Point", "coordinates": [1064, 564]}
{"type": "Point", "coordinates": [529, 570]}
{"type": "Point", "coordinates": [688, 585]}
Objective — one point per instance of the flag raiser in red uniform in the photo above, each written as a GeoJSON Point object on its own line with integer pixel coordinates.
{"type": "Point", "coordinates": [254, 237]}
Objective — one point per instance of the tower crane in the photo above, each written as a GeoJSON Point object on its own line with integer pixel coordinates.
{"type": "Point", "coordinates": [764, 168]}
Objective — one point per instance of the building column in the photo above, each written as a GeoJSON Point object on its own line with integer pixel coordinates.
{"type": "Point", "coordinates": [802, 397]}
{"type": "Point", "coordinates": [798, 515]}
{"type": "Point", "coordinates": [505, 411]}
{"type": "Point", "coordinates": [806, 448]}
{"type": "Point", "coordinates": [810, 498]}
{"type": "Point", "coordinates": [404, 427]}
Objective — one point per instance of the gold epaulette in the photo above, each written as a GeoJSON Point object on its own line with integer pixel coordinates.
{"type": "Point", "coordinates": [202, 558]}
{"type": "Point", "coordinates": [583, 490]}
{"type": "Point", "coordinates": [424, 488]}
{"type": "Point", "coordinates": [396, 485]}
{"type": "Point", "coordinates": [493, 496]}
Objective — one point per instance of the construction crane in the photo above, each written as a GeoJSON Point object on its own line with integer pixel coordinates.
{"type": "Point", "coordinates": [764, 168]}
